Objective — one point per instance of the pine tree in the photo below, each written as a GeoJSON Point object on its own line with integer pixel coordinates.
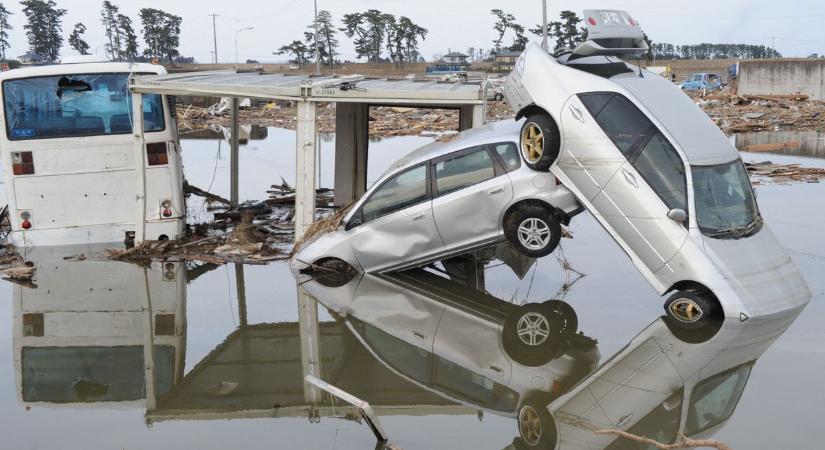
{"type": "Point", "coordinates": [44, 27]}
{"type": "Point", "coordinates": [108, 17]}
{"type": "Point", "coordinates": [4, 31]}
{"type": "Point", "coordinates": [129, 38]}
{"type": "Point", "coordinates": [76, 39]}
{"type": "Point", "coordinates": [161, 33]}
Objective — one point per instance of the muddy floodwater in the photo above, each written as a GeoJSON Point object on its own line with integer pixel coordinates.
{"type": "Point", "coordinates": [105, 355]}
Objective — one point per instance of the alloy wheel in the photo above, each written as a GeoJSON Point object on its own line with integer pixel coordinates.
{"type": "Point", "coordinates": [533, 329]}
{"type": "Point", "coordinates": [686, 310]}
{"type": "Point", "coordinates": [529, 425]}
{"type": "Point", "coordinates": [532, 142]}
{"type": "Point", "coordinates": [534, 233]}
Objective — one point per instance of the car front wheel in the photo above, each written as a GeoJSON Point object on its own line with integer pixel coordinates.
{"type": "Point", "coordinates": [693, 310]}
{"type": "Point", "coordinates": [533, 230]}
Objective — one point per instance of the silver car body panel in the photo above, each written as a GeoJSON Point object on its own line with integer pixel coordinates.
{"type": "Point", "coordinates": [751, 276]}
{"type": "Point", "coordinates": [654, 366]}
{"type": "Point", "coordinates": [438, 322]}
{"type": "Point", "coordinates": [449, 224]}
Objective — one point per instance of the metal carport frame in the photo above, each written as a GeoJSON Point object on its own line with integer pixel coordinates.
{"type": "Point", "coordinates": [353, 95]}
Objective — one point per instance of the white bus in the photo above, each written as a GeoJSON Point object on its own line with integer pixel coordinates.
{"type": "Point", "coordinates": [68, 154]}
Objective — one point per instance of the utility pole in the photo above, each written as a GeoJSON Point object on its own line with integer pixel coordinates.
{"type": "Point", "coordinates": [317, 48]}
{"type": "Point", "coordinates": [544, 43]}
{"type": "Point", "coordinates": [215, 37]}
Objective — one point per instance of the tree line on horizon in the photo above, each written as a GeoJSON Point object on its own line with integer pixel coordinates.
{"type": "Point", "coordinates": [376, 36]}
{"type": "Point", "coordinates": [44, 32]}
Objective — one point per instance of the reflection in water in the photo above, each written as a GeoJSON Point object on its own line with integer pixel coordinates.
{"type": "Point", "coordinates": [810, 143]}
{"type": "Point", "coordinates": [423, 342]}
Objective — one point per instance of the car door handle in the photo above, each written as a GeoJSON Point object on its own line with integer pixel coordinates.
{"type": "Point", "coordinates": [419, 335]}
{"type": "Point", "coordinates": [418, 216]}
{"type": "Point", "coordinates": [497, 370]}
{"type": "Point", "coordinates": [628, 175]}
{"type": "Point", "coordinates": [497, 190]}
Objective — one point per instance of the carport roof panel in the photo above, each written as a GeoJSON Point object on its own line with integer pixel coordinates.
{"type": "Point", "coordinates": [348, 88]}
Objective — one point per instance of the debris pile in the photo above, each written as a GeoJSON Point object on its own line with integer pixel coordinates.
{"type": "Point", "coordinates": [785, 172]}
{"type": "Point", "coordinates": [13, 268]}
{"type": "Point", "coordinates": [746, 113]}
{"type": "Point", "coordinates": [247, 243]}
{"type": "Point", "coordinates": [384, 121]}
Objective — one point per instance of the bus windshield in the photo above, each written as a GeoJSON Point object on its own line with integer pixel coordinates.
{"type": "Point", "coordinates": [75, 105]}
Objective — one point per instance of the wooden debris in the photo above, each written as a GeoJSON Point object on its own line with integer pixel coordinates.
{"type": "Point", "coordinates": [325, 225]}
{"type": "Point", "coordinates": [189, 189]}
{"type": "Point", "coordinates": [786, 172]}
{"type": "Point", "coordinates": [19, 272]}
{"type": "Point", "coordinates": [682, 442]}
{"type": "Point", "coordinates": [772, 147]}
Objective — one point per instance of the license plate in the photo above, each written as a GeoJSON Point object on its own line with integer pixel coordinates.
{"type": "Point", "coordinates": [611, 18]}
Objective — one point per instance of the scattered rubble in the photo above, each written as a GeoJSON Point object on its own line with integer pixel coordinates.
{"type": "Point", "coordinates": [246, 243]}
{"type": "Point", "coordinates": [745, 113]}
{"type": "Point", "coordinates": [785, 172]}
{"type": "Point", "coordinates": [13, 268]}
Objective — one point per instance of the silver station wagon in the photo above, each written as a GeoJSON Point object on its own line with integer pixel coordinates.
{"type": "Point", "coordinates": [445, 199]}
{"type": "Point", "coordinates": [655, 172]}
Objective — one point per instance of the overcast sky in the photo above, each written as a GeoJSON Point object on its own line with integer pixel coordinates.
{"type": "Point", "coordinates": [796, 25]}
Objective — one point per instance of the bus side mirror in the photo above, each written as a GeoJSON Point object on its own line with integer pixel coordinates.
{"type": "Point", "coordinates": [677, 215]}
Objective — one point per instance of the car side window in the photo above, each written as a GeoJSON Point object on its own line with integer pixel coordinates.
{"type": "Point", "coordinates": [620, 119]}
{"type": "Point", "coordinates": [508, 154]}
{"type": "Point", "coordinates": [463, 170]}
{"type": "Point", "coordinates": [408, 188]}
{"type": "Point", "coordinates": [662, 167]}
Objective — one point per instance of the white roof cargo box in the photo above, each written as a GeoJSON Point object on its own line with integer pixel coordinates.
{"type": "Point", "coordinates": [611, 32]}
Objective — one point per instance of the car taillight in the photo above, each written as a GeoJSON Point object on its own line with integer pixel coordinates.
{"type": "Point", "coordinates": [26, 223]}
{"type": "Point", "coordinates": [156, 154]}
{"type": "Point", "coordinates": [22, 163]}
{"type": "Point", "coordinates": [166, 208]}
{"type": "Point", "coordinates": [591, 20]}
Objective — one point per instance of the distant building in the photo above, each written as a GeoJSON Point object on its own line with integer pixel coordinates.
{"type": "Point", "coordinates": [455, 58]}
{"type": "Point", "coordinates": [505, 62]}
{"type": "Point", "coordinates": [31, 58]}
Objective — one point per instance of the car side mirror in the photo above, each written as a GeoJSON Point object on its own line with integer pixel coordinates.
{"type": "Point", "coordinates": [677, 215]}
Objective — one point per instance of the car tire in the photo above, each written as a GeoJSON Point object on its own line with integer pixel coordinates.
{"type": "Point", "coordinates": [536, 427]}
{"type": "Point", "coordinates": [539, 142]}
{"type": "Point", "coordinates": [533, 230]}
{"type": "Point", "coordinates": [691, 310]}
{"type": "Point", "coordinates": [568, 316]}
{"type": "Point", "coordinates": [532, 336]}
{"type": "Point", "coordinates": [499, 97]}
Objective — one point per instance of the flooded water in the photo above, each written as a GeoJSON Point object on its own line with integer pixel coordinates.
{"type": "Point", "coordinates": [105, 355]}
{"type": "Point", "coordinates": [800, 143]}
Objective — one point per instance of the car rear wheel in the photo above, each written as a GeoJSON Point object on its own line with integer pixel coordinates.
{"type": "Point", "coordinates": [533, 230]}
{"type": "Point", "coordinates": [532, 336]}
{"type": "Point", "coordinates": [540, 141]}
{"type": "Point", "coordinates": [693, 310]}
{"type": "Point", "coordinates": [499, 97]}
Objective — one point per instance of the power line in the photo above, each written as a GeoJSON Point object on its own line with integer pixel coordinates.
{"type": "Point", "coordinates": [691, 16]}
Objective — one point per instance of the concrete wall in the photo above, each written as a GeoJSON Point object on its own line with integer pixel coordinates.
{"type": "Point", "coordinates": [777, 77]}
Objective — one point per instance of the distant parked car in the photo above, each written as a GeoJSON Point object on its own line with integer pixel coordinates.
{"type": "Point", "coordinates": [700, 81]}
{"type": "Point", "coordinates": [660, 177]}
{"type": "Point", "coordinates": [445, 199]}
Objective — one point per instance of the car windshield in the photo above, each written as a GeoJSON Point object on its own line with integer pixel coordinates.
{"type": "Point", "coordinates": [725, 205]}
{"type": "Point", "coordinates": [75, 105]}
